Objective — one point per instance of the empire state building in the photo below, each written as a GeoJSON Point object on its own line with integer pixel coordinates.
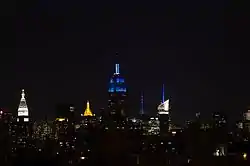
{"type": "Point", "coordinates": [117, 94]}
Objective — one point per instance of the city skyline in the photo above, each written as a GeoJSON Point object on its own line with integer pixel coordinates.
{"type": "Point", "coordinates": [58, 55]}
{"type": "Point", "coordinates": [109, 89]}
{"type": "Point", "coordinates": [117, 83]}
{"type": "Point", "coordinates": [136, 112]}
{"type": "Point", "coordinates": [132, 111]}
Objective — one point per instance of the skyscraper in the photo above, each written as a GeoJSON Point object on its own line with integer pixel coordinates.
{"type": "Point", "coordinates": [163, 113]}
{"type": "Point", "coordinates": [23, 111]}
{"type": "Point", "coordinates": [23, 127]}
{"type": "Point", "coordinates": [117, 92]}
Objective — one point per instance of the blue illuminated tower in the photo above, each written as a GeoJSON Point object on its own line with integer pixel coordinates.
{"type": "Point", "coordinates": [117, 94]}
{"type": "Point", "coordinates": [163, 94]}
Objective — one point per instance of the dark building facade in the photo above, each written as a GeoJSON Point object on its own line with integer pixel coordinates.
{"type": "Point", "coordinates": [64, 110]}
{"type": "Point", "coordinates": [164, 124]}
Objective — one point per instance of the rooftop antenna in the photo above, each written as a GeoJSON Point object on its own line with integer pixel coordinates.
{"type": "Point", "coordinates": [23, 94]}
{"type": "Point", "coordinates": [142, 104]}
{"type": "Point", "coordinates": [117, 65]}
{"type": "Point", "coordinates": [163, 94]}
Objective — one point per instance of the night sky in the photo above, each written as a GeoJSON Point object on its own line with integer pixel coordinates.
{"type": "Point", "coordinates": [64, 51]}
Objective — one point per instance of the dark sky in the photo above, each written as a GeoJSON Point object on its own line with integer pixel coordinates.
{"type": "Point", "coordinates": [64, 51]}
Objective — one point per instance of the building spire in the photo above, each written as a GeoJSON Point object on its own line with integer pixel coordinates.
{"type": "Point", "coordinates": [23, 108]}
{"type": "Point", "coordinates": [88, 107]}
{"type": "Point", "coordinates": [163, 94]}
{"type": "Point", "coordinates": [23, 94]}
{"type": "Point", "coordinates": [117, 68]}
{"type": "Point", "coordinates": [117, 65]}
{"type": "Point", "coordinates": [142, 105]}
{"type": "Point", "coordinates": [87, 111]}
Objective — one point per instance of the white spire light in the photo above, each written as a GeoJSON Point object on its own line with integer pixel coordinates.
{"type": "Point", "coordinates": [117, 69]}
{"type": "Point", "coordinates": [23, 94]}
{"type": "Point", "coordinates": [23, 108]}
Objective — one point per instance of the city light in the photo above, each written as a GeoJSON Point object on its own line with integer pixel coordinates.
{"type": "Point", "coordinates": [60, 119]}
{"type": "Point", "coordinates": [245, 156]}
{"type": "Point", "coordinates": [87, 111]}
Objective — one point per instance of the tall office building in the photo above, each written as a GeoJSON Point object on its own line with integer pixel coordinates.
{"type": "Point", "coordinates": [117, 94]}
{"type": "Point", "coordinates": [163, 113]}
{"type": "Point", "coordinates": [22, 127]}
{"type": "Point", "coordinates": [5, 136]}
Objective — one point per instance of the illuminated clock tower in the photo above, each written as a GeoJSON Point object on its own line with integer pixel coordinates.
{"type": "Point", "coordinates": [23, 126]}
{"type": "Point", "coordinates": [23, 111]}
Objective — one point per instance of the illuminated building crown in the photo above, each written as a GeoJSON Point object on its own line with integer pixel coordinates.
{"type": "Point", "coordinates": [163, 108]}
{"type": "Point", "coordinates": [87, 111]}
{"type": "Point", "coordinates": [23, 108]}
{"type": "Point", "coordinates": [116, 83]}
